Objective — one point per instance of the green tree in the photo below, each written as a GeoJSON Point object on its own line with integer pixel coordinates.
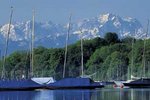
{"type": "Point", "coordinates": [111, 38]}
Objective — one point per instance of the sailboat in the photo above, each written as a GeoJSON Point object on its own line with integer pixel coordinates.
{"type": "Point", "coordinates": [77, 82]}
{"type": "Point", "coordinates": [15, 84]}
{"type": "Point", "coordinates": [39, 80]}
{"type": "Point", "coordinates": [143, 82]}
{"type": "Point", "coordinates": [130, 77]}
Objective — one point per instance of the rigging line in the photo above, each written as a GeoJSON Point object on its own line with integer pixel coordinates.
{"type": "Point", "coordinates": [67, 38]}
{"type": "Point", "coordinates": [6, 45]}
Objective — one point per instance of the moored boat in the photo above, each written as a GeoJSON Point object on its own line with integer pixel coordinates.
{"type": "Point", "coordinates": [75, 83]}
{"type": "Point", "coordinates": [23, 84]}
{"type": "Point", "coordinates": [118, 84]}
{"type": "Point", "coordinates": [139, 83]}
{"type": "Point", "coordinates": [16, 84]}
{"type": "Point", "coordinates": [81, 82]}
{"type": "Point", "coordinates": [143, 82]}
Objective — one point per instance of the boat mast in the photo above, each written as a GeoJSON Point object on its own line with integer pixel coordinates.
{"type": "Point", "coordinates": [144, 67]}
{"type": "Point", "coordinates": [82, 72]}
{"type": "Point", "coordinates": [66, 48]}
{"type": "Point", "coordinates": [130, 69]}
{"type": "Point", "coordinates": [6, 44]}
{"type": "Point", "coordinates": [32, 47]}
{"type": "Point", "coordinates": [132, 62]}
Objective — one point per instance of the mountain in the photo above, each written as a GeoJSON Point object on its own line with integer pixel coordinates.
{"type": "Point", "coordinates": [49, 34]}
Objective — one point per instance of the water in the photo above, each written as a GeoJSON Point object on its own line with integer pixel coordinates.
{"type": "Point", "coordinates": [99, 94]}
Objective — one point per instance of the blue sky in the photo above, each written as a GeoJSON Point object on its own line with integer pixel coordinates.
{"type": "Point", "coordinates": [58, 10]}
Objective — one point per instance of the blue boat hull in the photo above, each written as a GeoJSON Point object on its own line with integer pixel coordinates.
{"type": "Point", "coordinates": [67, 83]}
{"type": "Point", "coordinates": [19, 85]}
{"type": "Point", "coordinates": [75, 83]}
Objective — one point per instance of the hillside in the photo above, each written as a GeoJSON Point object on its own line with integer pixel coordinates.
{"type": "Point", "coordinates": [106, 58]}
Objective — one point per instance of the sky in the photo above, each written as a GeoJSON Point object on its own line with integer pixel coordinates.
{"type": "Point", "coordinates": [58, 11]}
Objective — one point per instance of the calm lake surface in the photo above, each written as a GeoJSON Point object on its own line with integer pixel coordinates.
{"type": "Point", "coordinates": [98, 94]}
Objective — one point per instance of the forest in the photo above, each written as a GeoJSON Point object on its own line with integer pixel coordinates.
{"type": "Point", "coordinates": [108, 58]}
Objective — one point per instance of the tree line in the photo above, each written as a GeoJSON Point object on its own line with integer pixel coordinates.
{"type": "Point", "coordinates": [107, 58]}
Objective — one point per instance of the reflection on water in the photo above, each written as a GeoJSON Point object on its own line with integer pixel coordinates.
{"type": "Point", "coordinates": [99, 94]}
{"type": "Point", "coordinates": [17, 95]}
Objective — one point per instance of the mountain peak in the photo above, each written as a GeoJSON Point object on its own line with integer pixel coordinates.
{"type": "Point", "coordinates": [106, 17]}
{"type": "Point", "coordinates": [50, 34]}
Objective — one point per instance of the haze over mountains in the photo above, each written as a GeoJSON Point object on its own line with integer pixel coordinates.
{"type": "Point", "coordinates": [49, 34]}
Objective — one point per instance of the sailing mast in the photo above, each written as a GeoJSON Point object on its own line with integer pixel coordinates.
{"type": "Point", "coordinates": [81, 53]}
{"type": "Point", "coordinates": [132, 62]}
{"type": "Point", "coordinates": [32, 47]}
{"type": "Point", "coordinates": [144, 67]}
{"type": "Point", "coordinates": [130, 69]}
{"type": "Point", "coordinates": [6, 46]}
{"type": "Point", "coordinates": [66, 48]}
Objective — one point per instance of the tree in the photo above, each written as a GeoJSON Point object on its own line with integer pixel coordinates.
{"type": "Point", "coordinates": [18, 62]}
{"type": "Point", "coordinates": [111, 38]}
{"type": "Point", "coordinates": [128, 40]}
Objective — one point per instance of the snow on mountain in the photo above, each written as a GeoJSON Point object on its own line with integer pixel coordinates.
{"type": "Point", "coordinates": [49, 34]}
{"type": "Point", "coordinates": [113, 23]}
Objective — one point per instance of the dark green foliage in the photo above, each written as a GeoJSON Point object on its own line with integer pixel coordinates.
{"type": "Point", "coordinates": [111, 38]}
{"type": "Point", "coordinates": [56, 62]}
{"type": "Point", "coordinates": [128, 40]}
{"type": "Point", "coordinates": [105, 58]}
{"type": "Point", "coordinates": [108, 57]}
{"type": "Point", "coordinates": [17, 64]}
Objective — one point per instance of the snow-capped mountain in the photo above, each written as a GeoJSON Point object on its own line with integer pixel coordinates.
{"type": "Point", "coordinates": [49, 34]}
{"type": "Point", "coordinates": [98, 26]}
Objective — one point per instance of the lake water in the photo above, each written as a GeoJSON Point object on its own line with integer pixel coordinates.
{"type": "Point", "coordinates": [98, 94]}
